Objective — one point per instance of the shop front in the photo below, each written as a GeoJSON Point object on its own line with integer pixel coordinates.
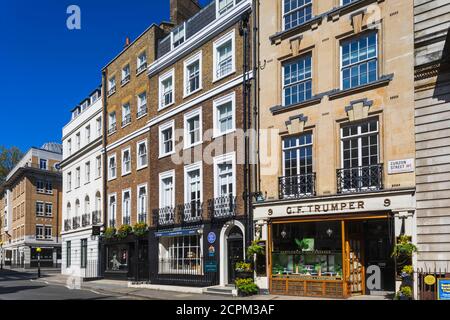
{"type": "Point", "coordinates": [331, 248]}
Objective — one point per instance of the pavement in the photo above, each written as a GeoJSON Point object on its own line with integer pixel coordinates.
{"type": "Point", "coordinates": [24, 285]}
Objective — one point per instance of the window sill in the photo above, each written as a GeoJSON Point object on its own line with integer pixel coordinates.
{"type": "Point", "coordinates": [126, 125]}
{"type": "Point", "coordinates": [279, 36]}
{"type": "Point", "coordinates": [188, 94]}
{"type": "Point", "coordinates": [219, 135]}
{"type": "Point", "coordinates": [224, 76]}
{"type": "Point", "coordinates": [142, 168]}
{"type": "Point", "coordinates": [112, 179]}
{"type": "Point", "coordinates": [142, 116]}
{"type": "Point", "coordinates": [382, 81]}
{"type": "Point", "coordinates": [123, 84]}
{"type": "Point", "coordinates": [140, 72]}
{"type": "Point", "coordinates": [166, 106]}
{"type": "Point", "coordinates": [162, 156]}
{"type": "Point", "coordinates": [280, 109]}
{"type": "Point", "coordinates": [193, 145]}
{"type": "Point", "coordinates": [126, 174]}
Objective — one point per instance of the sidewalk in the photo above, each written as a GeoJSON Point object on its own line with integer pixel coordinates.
{"type": "Point", "coordinates": [122, 288]}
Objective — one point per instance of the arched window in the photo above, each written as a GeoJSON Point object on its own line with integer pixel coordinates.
{"type": "Point", "coordinates": [77, 208]}
{"type": "Point", "coordinates": [87, 205]}
{"type": "Point", "coordinates": [68, 211]}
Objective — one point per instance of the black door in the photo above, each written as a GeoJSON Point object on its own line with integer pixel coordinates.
{"type": "Point", "coordinates": [379, 246]}
{"type": "Point", "coordinates": [235, 252]}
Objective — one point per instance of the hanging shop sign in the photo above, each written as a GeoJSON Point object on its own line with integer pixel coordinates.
{"type": "Point", "coordinates": [401, 166]}
{"type": "Point", "coordinates": [430, 280]}
{"type": "Point", "coordinates": [443, 289]}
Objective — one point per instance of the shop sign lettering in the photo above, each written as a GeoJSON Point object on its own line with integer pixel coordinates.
{"type": "Point", "coordinates": [327, 207]}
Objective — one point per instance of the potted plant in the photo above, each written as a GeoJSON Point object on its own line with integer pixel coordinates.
{"type": "Point", "coordinates": [405, 293]}
{"type": "Point", "coordinates": [110, 233]}
{"type": "Point", "coordinates": [404, 248]}
{"type": "Point", "coordinates": [255, 249]}
{"type": "Point", "coordinates": [246, 287]}
{"type": "Point", "coordinates": [124, 231]}
{"type": "Point", "coordinates": [243, 270]}
{"type": "Point", "coordinates": [140, 229]}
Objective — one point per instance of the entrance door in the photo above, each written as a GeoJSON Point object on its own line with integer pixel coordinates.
{"type": "Point", "coordinates": [235, 252]}
{"type": "Point", "coordinates": [355, 258]}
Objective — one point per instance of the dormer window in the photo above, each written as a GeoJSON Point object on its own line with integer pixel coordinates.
{"type": "Point", "coordinates": [84, 105]}
{"type": "Point", "coordinates": [178, 35]}
{"type": "Point", "coordinates": [94, 97]}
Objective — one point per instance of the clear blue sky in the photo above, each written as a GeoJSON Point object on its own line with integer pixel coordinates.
{"type": "Point", "coordinates": [47, 69]}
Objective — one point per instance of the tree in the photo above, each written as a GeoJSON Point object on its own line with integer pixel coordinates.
{"type": "Point", "coordinates": [8, 160]}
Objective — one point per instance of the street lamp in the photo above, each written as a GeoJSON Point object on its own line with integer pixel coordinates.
{"type": "Point", "coordinates": [39, 250]}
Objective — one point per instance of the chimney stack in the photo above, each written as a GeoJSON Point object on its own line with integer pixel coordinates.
{"type": "Point", "coordinates": [182, 10]}
{"type": "Point", "coordinates": [127, 42]}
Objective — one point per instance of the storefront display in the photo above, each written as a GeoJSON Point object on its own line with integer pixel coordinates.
{"type": "Point", "coordinates": [117, 257]}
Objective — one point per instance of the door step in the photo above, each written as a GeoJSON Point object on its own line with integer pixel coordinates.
{"type": "Point", "coordinates": [222, 291]}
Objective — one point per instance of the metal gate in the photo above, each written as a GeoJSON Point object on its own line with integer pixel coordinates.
{"type": "Point", "coordinates": [425, 291]}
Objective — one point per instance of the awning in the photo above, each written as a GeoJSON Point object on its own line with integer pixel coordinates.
{"type": "Point", "coordinates": [177, 232]}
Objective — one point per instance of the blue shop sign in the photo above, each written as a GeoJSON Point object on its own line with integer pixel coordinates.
{"type": "Point", "coordinates": [176, 233]}
{"type": "Point", "coordinates": [211, 266]}
{"type": "Point", "coordinates": [443, 289]}
{"type": "Point", "coordinates": [212, 237]}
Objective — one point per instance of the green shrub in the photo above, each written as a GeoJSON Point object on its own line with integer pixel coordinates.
{"type": "Point", "coordinates": [406, 291]}
{"type": "Point", "coordinates": [404, 248]}
{"type": "Point", "coordinates": [140, 229]}
{"type": "Point", "coordinates": [243, 267]}
{"type": "Point", "coordinates": [124, 231]}
{"type": "Point", "coordinates": [408, 270]}
{"type": "Point", "coordinates": [255, 248]}
{"type": "Point", "coordinates": [110, 233]}
{"type": "Point", "coordinates": [247, 286]}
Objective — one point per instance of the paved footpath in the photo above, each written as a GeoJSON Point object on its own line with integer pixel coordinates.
{"type": "Point", "coordinates": [115, 289]}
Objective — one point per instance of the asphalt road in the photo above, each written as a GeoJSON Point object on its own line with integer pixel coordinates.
{"type": "Point", "coordinates": [25, 286]}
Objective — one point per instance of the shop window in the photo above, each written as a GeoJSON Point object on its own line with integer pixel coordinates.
{"type": "Point", "coordinates": [84, 247]}
{"type": "Point", "coordinates": [117, 258]}
{"type": "Point", "coordinates": [181, 255]}
{"type": "Point", "coordinates": [312, 249]}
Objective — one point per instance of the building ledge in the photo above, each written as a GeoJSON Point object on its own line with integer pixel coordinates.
{"type": "Point", "coordinates": [298, 29]}
{"type": "Point", "coordinates": [382, 81]}
{"type": "Point", "coordinates": [280, 109]}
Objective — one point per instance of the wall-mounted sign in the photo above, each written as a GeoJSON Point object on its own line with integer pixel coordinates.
{"type": "Point", "coordinates": [443, 289]}
{"type": "Point", "coordinates": [212, 251]}
{"type": "Point", "coordinates": [210, 266]}
{"type": "Point", "coordinates": [212, 237]}
{"type": "Point", "coordinates": [326, 207]}
{"type": "Point", "coordinates": [430, 280]}
{"type": "Point", "coordinates": [401, 166]}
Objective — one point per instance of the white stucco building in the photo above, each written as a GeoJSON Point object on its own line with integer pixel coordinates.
{"type": "Point", "coordinates": [82, 188]}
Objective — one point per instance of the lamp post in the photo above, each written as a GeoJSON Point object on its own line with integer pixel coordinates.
{"type": "Point", "coordinates": [39, 250]}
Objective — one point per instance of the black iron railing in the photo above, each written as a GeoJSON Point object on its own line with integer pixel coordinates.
{"type": "Point", "coordinates": [299, 186]}
{"type": "Point", "coordinates": [125, 80]}
{"type": "Point", "coordinates": [126, 120]}
{"type": "Point", "coordinates": [141, 68]}
{"type": "Point", "coordinates": [112, 91]}
{"type": "Point", "coordinates": [142, 111]}
{"type": "Point", "coordinates": [164, 216]}
{"type": "Point", "coordinates": [191, 212]}
{"type": "Point", "coordinates": [75, 223]}
{"type": "Point", "coordinates": [222, 208]}
{"type": "Point", "coordinates": [142, 218]}
{"type": "Point", "coordinates": [96, 217]}
{"type": "Point", "coordinates": [86, 220]}
{"type": "Point", "coordinates": [112, 128]}
{"type": "Point", "coordinates": [67, 224]}
{"type": "Point", "coordinates": [126, 220]}
{"type": "Point", "coordinates": [187, 267]}
{"type": "Point", "coordinates": [360, 179]}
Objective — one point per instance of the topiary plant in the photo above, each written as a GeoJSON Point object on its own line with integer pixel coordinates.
{"type": "Point", "coordinates": [140, 229]}
{"type": "Point", "coordinates": [124, 231]}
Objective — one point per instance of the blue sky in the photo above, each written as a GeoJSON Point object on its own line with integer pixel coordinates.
{"type": "Point", "coordinates": [48, 69]}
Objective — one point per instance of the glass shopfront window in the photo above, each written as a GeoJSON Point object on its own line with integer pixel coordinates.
{"type": "Point", "coordinates": [117, 256]}
{"type": "Point", "coordinates": [181, 255]}
{"type": "Point", "coordinates": [307, 250]}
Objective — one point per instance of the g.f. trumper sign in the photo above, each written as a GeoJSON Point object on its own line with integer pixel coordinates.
{"type": "Point", "coordinates": [327, 207]}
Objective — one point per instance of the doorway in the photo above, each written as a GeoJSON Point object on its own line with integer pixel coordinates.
{"type": "Point", "coordinates": [354, 247]}
{"type": "Point", "coordinates": [235, 252]}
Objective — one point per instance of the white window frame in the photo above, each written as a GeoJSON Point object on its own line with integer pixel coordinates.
{"type": "Point", "coordinates": [141, 105]}
{"type": "Point", "coordinates": [69, 147]}
{"type": "Point", "coordinates": [88, 134]}
{"type": "Point", "coordinates": [129, 204]}
{"type": "Point", "coordinates": [110, 216]}
{"type": "Point", "coordinates": [78, 140]}
{"type": "Point", "coordinates": [218, 14]}
{"type": "Point", "coordinates": [123, 171]}
{"type": "Point", "coordinates": [110, 123]}
{"type": "Point", "coordinates": [98, 167]}
{"type": "Point", "coordinates": [42, 233]}
{"type": "Point", "coordinates": [139, 187]}
{"type": "Point", "coordinates": [77, 177]}
{"type": "Point", "coordinates": [109, 171]}
{"type": "Point", "coordinates": [197, 57]}
{"type": "Point", "coordinates": [229, 157]}
{"type": "Point", "coordinates": [51, 209]}
{"type": "Point", "coordinates": [219, 102]}
{"type": "Point", "coordinates": [123, 124]}
{"type": "Point", "coordinates": [218, 43]}
{"type": "Point", "coordinates": [124, 74]}
{"type": "Point", "coordinates": [163, 176]}
{"type": "Point", "coordinates": [43, 161]}
{"type": "Point", "coordinates": [166, 126]}
{"type": "Point", "coordinates": [50, 236]}
{"type": "Point", "coordinates": [139, 64]}
{"type": "Point", "coordinates": [283, 14]}
{"type": "Point", "coordinates": [187, 170]}
{"type": "Point", "coordinates": [69, 181]}
{"type": "Point", "coordinates": [87, 172]}
{"type": "Point", "coordinates": [40, 213]}
{"type": "Point", "coordinates": [188, 116]}
{"type": "Point", "coordinates": [99, 126]}
{"type": "Point", "coordinates": [181, 26]}
{"type": "Point", "coordinates": [164, 77]}
{"type": "Point", "coordinates": [139, 166]}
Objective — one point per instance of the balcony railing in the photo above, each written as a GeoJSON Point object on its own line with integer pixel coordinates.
{"type": "Point", "coordinates": [141, 68]}
{"type": "Point", "coordinates": [142, 111]}
{"type": "Point", "coordinates": [67, 224]}
{"type": "Point", "coordinates": [126, 220]}
{"type": "Point", "coordinates": [126, 120]}
{"type": "Point", "coordinates": [112, 128]}
{"type": "Point", "coordinates": [360, 179]}
{"type": "Point", "coordinates": [191, 212]}
{"type": "Point", "coordinates": [112, 223]}
{"type": "Point", "coordinates": [222, 208]}
{"type": "Point", "coordinates": [85, 220]}
{"type": "Point", "coordinates": [96, 217]}
{"type": "Point", "coordinates": [125, 80]}
{"type": "Point", "coordinates": [142, 218]}
{"type": "Point", "coordinates": [112, 91]}
{"type": "Point", "coordinates": [225, 67]}
{"type": "Point", "coordinates": [164, 216]}
{"type": "Point", "coordinates": [296, 187]}
{"type": "Point", "coordinates": [75, 223]}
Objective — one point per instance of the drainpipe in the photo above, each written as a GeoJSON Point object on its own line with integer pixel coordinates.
{"type": "Point", "coordinates": [105, 164]}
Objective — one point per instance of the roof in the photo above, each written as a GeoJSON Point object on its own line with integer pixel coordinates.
{"type": "Point", "coordinates": [53, 147]}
